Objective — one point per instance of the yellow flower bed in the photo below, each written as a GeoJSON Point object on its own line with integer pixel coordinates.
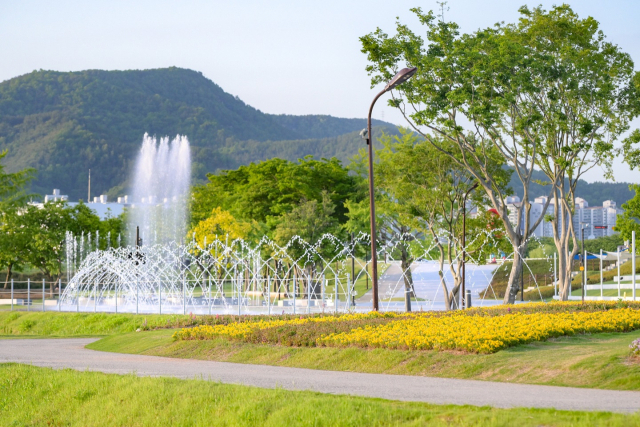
{"type": "Point", "coordinates": [240, 329]}
{"type": "Point", "coordinates": [482, 334]}
{"type": "Point", "coordinates": [477, 330]}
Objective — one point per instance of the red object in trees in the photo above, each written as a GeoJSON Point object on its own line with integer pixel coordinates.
{"type": "Point", "coordinates": [492, 223]}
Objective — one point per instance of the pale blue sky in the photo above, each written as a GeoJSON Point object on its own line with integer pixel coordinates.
{"type": "Point", "coordinates": [280, 56]}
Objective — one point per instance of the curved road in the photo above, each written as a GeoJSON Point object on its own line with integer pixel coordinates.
{"type": "Point", "coordinates": [70, 353]}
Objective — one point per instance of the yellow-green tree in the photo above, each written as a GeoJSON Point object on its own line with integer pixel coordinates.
{"type": "Point", "coordinates": [218, 225]}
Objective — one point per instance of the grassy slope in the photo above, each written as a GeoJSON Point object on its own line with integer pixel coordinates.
{"type": "Point", "coordinates": [597, 361]}
{"type": "Point", "coordinates": [42, 396]}
{"type": "Point", "coordinates": [32, 324]}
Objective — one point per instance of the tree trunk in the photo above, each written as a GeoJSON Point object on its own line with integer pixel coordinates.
{"type": "Point", "coordinates": [516, 270]}
{"type": "Point", "coordinates": [6, 282]}
{"type": "Point", "coordinates": [405, 263]}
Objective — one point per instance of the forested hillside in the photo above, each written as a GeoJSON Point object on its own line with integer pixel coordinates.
{"type": "Point", "coordinates": [64, 124]}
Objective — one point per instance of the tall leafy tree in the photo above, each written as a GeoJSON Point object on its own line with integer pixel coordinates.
{"type": "Point", "coordinates": [427, 190]}
{"type": "Point", "coordinates": [502, 89]}
{"type": "Point", "coordinates": [579, 97]}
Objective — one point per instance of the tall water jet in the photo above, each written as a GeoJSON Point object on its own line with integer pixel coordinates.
{"type": "Point", "coordinates": [160, 189]}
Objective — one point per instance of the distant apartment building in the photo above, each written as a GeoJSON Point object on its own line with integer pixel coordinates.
{"type": "Point", "coordinates": [56, 197]}
{"type": "Point", "coordinates": [100, 204]}
{"type": "Point", "coordinates": [598, 220]}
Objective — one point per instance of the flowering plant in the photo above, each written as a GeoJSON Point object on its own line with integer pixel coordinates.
{"type": "Point", "coordinates": [635, 347]}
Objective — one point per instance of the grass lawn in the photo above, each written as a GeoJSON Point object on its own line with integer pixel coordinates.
{"type": "Point", "coordinates": [42, 396]}
{"type": "Point", "coordinates": [594, 361]}
{"type": "Point", "coordinates": [607, 292]}
{"type": "Point", "coordinates": [53, 324]}
{"type": "Point", "coordinates": [597, 361]}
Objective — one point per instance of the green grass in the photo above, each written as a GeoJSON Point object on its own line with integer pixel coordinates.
{"type": "Point", "coordinates": [593, 361]}
{"type": "Point", "coordinates": [606, 292]}
{"type": "Point", "coordinates": [81, 324]}
{"type": "Point", "coordinates": [47, 397]}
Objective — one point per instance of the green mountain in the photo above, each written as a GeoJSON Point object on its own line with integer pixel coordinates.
{"type": "Point", "coordinates": [64, 124]}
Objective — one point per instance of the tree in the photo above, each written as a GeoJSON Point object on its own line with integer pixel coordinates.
{"type": "Point", "coordinates": [219, 225]}
{"type": "Point", "coordinates": [13, 240]}
{"type": "Point", "coordinates": [14, 243]}
{"type": "Point", "coordinates": [45, 227]}
{"type": "Point", "coordinates": [501, 89]}
{"type": "Point", "coordinates": [580, 98]}
{"type": "Point", "coordinates": [426, 189]}
{"type": "Point", "coordinates": [310, 220]}
{"type": "Point", "coordinates": [630, 219]}
{"type": "Point", "coordinates": [264, 191]}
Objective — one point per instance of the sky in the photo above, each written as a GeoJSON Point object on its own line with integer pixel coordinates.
{"type": "Point", "coordinates": [279, 56]}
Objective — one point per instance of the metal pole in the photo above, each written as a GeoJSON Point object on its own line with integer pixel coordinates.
{"type": "Point", "coordinates": [584, 277]}
{"type": "Point", "coordinates": [555, 280]}
{"type": "Point", "coordinates": [601, 281]}
{"type": "Point", "coordinates": [269, 294]}
{"type": "Point", "coordinates": [618, 272]}
{"type": "Point", "coordinates": [353, 258]}
{"type": "Point", "coordinates": [584, 264]}
{"type": "Point", "coordinates": [28, 294]}
{"type": "Point", "coordinates": [633, 263]}
{"type": "Point", "coordinates": [322, 289]}
{"type": "Point", "coordinates": [43, 309]}
{"type": "Point", "coordinates": [309, 294]}
{"type": "Point", "coordinates": [372, 208]}
{"type": "Point", "coordinates": [464, 241]}
{"type": "Point", "coordinates": [238, 287]}
{"type": "Point", "coordinates": [335, 305]}
{"type": "Point", "coordinates": [348, 295]}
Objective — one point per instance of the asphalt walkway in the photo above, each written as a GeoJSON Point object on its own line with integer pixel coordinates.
{"type": "Point", "coordinates": [70, 353]}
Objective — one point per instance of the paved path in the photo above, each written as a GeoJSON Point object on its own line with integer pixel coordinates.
{"type": "Point", "coordinates": [70, 353]}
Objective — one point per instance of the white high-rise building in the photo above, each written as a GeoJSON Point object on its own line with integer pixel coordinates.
{"type": "Point", "coordinates": [598, 220]}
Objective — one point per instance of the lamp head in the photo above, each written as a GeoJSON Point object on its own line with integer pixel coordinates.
{"type": "Point", "coordinates": [402, 76]}
{"type": "Point", "coordinates": [364, 133]}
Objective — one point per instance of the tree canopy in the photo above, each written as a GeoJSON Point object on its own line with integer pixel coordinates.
{"type": "Point", "coordinates": [547, 91]}
{"type": "Point", "coordinates": [264, 191]}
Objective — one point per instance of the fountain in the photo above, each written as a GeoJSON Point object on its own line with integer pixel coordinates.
{"type": "Point", "coordinates": [160, 189]}
{"type": "Point", "coordinates": [165, 274]}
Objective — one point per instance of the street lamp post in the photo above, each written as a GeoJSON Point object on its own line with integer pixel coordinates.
{"type": "Point", "coordinates": [464, 243]}
{"type": "Point", "coordinates": [584, 274]}
{"type": "Point", "coordinates": [402, 76]}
